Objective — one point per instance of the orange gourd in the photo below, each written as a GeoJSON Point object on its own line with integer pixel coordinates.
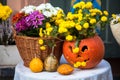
{"type": "Point", "coordinates": [36, 65]}
{"type": "Point", "coordinates": [91, 51]}
{"type": "Point", "coordinates": [65, 69]}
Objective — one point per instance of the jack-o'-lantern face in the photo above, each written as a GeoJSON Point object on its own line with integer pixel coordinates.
{"type": "Point", "coordinates": [91, 52]}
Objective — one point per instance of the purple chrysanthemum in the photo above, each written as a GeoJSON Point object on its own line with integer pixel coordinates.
{"type": "Point", "coordinates": [21, 25]}
{"type": "Point", "coordinates": [34, 19]}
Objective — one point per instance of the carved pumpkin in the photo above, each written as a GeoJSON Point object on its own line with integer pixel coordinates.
{"type": "Point", "coordinates": [91, 51]}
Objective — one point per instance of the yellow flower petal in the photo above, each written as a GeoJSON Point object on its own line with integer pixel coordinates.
{"type": "Point", "coordinates": [78, 63]}
{"type": "Point", "coordinates": [83, 64]}
{"type": "Point", "coordinates": [41, 41]}
{"type": "Point", "coordinates": [42, 48]}
{"type": "Point", "coordinates": [75, 65]}
{"type": "Point", "coordinates": [40, 33]}
{"type": "Point", "coordinates": [104, 18]}
{"type": "Point", "coordinates": [86, 25]}
{"type": "Point", "coordinates": [78, 27]}
{"type": "Point", "coordinates": [69, 37]}
{"type": "Point", "coordinates": [75, 50]}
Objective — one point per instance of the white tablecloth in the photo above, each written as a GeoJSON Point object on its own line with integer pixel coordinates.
{"type": "Point", "coordinates": [101, 72]}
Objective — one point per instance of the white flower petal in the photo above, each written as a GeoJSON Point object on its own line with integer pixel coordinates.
{"type": "Point", "coordinates": [47, 13]}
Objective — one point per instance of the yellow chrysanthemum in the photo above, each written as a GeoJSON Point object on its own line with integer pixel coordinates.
{"type": "Point", "coordinates": [75, 50]}
{"type": "Point", "coordinates": [41, 41]}
{"type": "Point", "coordinates": [78, 27]}
{"type": "Point", "coordinates": [82, 3]}
{"type": "Point", "coordinates": [83, 64]}
{"type": "Point", "coordinates": [93, 14]}
{"type": "Point", "coordinates": [105, 12]}
{"type": "Point", "coordinates": [42, 48]}
{"type": "Point", "coordinates": [92, 21]}
{"type": "Point", "coordinates": [58, 21]}
{"type": "Point", "coordinates": [89, 5]}
{"type": "Point", "coordinates": [75, 65]}
{"type": "Point", "coordinates": [86, 25]}
{"type": "Point", "coordinates": [40, 32]}
{"type": "Point", "coordinates": [76, 5]}
{"type": "Point", "coordinates": [71, 24]}
{"type": "Point", "coordinates": [104, 18]}
{"type": "Point", "coordinates": [49, 29]}
{"type": "Point", "coordinates": [5, 12]}
{"type": "Point", "coordinates": [48, 25]}
{"type": "Point", "coordinates": [59, 15]}
{"type": "Point", "coordinates": [78, 63]}
{"type": "Point", "coordinates": [70, 16]}
{"type": "Point", "coordinates": [69, 37]}
{"type": "Point", "coordinates": [114, 16]}
{"type": "Point", "coordinates": [62, 30]}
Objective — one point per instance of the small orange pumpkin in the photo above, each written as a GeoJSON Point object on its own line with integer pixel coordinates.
{"type": "Point", "coordinates": [65, 69]}
{"type": "Point", "coordinates": [91, 51]}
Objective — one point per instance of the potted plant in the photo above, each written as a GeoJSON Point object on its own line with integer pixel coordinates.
{"type": "Point", "coordinates": [83, 47]}
{"type": "Point", "coordinates": [36, 31]}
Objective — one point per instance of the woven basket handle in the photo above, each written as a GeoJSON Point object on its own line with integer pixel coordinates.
{"type": "Point", "coordinates": [14, 32]}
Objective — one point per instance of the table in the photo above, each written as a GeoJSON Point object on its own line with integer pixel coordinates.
{"type": "Point", "coordinates": [101, 72]}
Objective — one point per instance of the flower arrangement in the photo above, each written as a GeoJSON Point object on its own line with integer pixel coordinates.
{"type": "Point", "coordinates": [38, 21]}
{"type": "Point", "coordinates": [48, 21]}
{"type": "Point", "coordinates": [32, 19]}
{"type": "Point", "coordinates": [5, 12]}
{"type": "Point", "coordinates": [84, 21]}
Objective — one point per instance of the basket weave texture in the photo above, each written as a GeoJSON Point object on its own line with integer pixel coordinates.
{"type": "Point", "coordinates": [29, 48]}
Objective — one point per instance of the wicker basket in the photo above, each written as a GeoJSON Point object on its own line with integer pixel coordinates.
{"type": "Point", "coordinates": [28, 48]}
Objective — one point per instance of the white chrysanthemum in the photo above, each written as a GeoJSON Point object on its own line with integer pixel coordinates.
{"type": "Point", "coordinates": [47, 13]}
{"type": "Point", "coordinates": [47, 9]}
{"type": "Point", "coordinates": [40, 7]}
{"type": "Point", "coordinates": [28, 9]}
{"type": "Point", "coordinates": [48, 6]}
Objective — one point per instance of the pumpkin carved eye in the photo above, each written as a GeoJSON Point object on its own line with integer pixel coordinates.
{"type": "Point", "coordinates": [84, 48]}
